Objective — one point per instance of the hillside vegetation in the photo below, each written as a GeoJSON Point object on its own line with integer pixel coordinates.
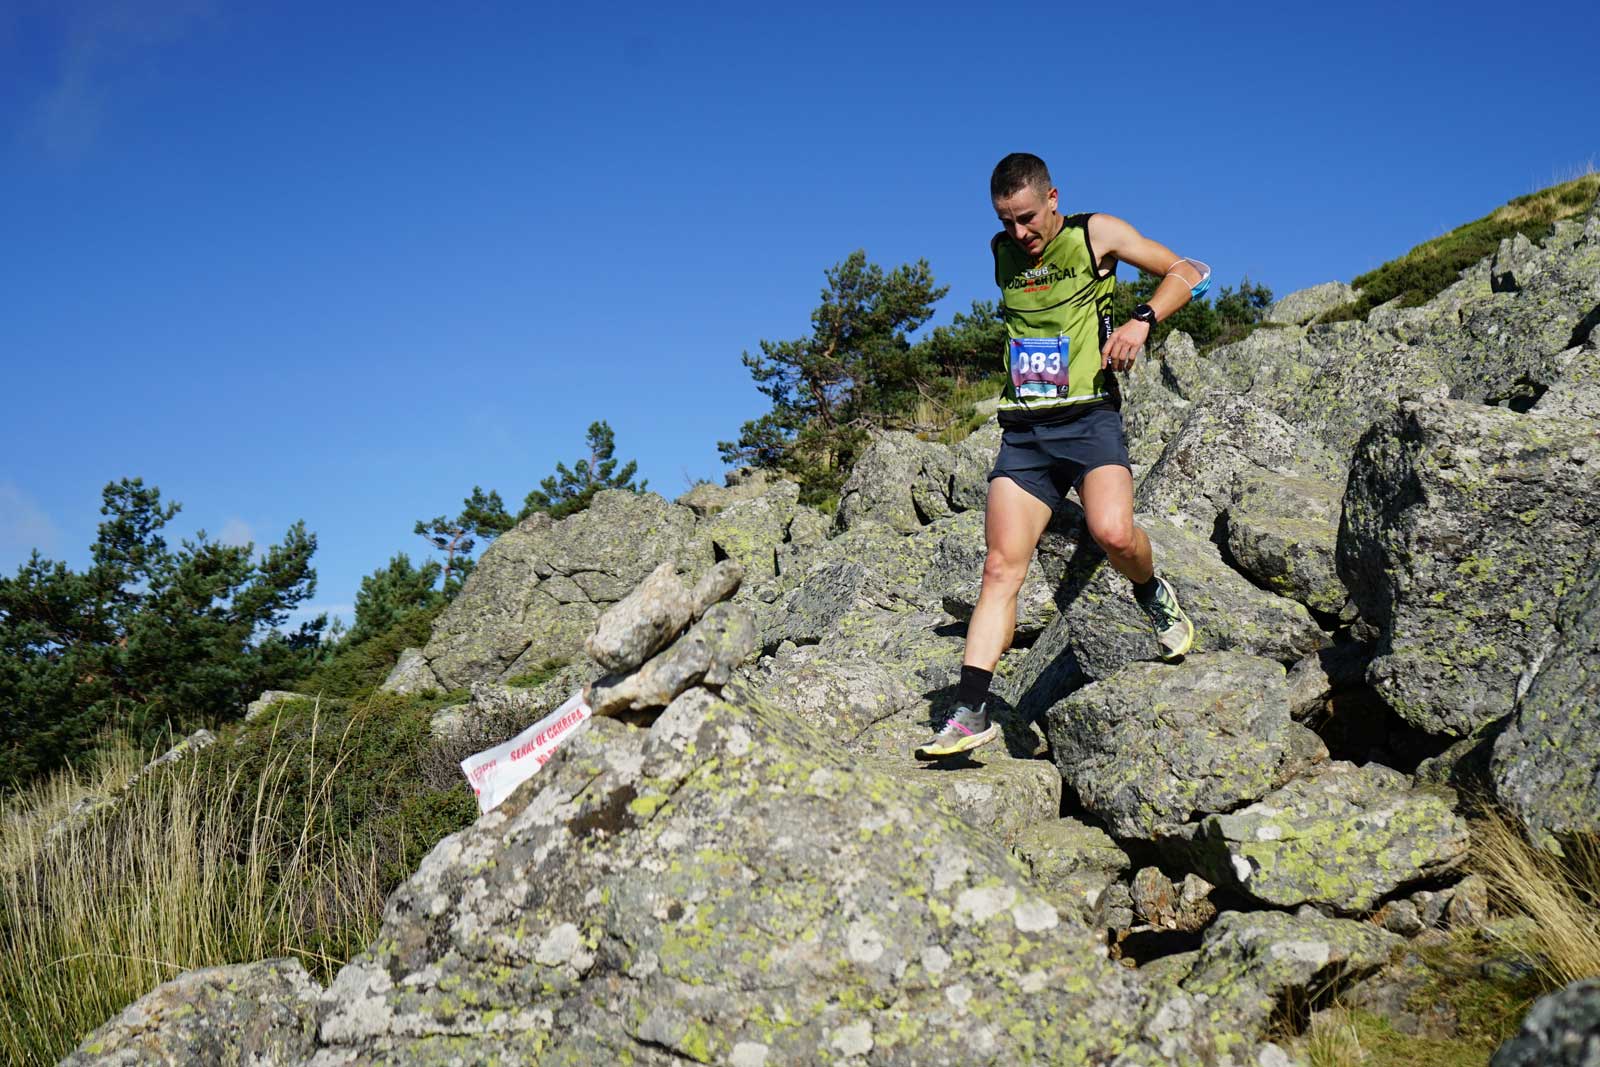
{"type": "Point", "coordinates": [1426, 270]}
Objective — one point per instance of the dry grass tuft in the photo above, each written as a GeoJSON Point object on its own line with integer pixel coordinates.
{"type": "Point", "coordinates": [1334, 1040]}
{"type": "Point", "coordinates": [1560, 893]}
{"type": "Point", "coordinates": [179, 875]}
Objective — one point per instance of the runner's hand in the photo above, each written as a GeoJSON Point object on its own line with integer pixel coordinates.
{"type": "Point", "coordinates": [1124, 344]}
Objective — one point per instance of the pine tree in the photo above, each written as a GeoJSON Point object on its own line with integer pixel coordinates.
{"type": "Point", "coordinates": [483, 517]}
{"type": "Point", "coordinates": [568, 491]}
{"type": "Point", "coordinates": [390, 593]}
{"type": "Point", "coordinates": [856, 371]}
{"type": "Point", "coordinates": [148, 637]}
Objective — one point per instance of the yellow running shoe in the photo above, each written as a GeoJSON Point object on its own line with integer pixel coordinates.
{"type": "Point", "coordinates": [1174, 631]}
{"type": "Point", "coordinates": [966, 729]}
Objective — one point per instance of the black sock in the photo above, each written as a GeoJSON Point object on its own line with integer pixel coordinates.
{"type": "Point", "coordinates": [974, 688]}
{"type": "Point", "coordinates": [1145, 592]}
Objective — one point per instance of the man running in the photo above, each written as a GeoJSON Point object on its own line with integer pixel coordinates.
{"type": "Point", "coordinates": [1060, 417]}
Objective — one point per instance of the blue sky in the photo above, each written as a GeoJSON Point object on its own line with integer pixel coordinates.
{"type": "Point", "coordinates": [343, 262]}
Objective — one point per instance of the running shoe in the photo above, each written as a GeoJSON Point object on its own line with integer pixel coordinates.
{"type": "Point", "coordinates": [966, 729]}
{"type": "Point", "coordinates": [1174, 631]}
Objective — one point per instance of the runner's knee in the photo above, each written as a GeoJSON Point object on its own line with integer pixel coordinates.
{"type": "Point", "coordinates": [1004, 573]}
{"type": "Point", "coordinates": [1115, 535]}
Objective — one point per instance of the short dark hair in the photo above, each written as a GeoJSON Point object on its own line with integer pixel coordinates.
{"type": "Point", "coordinates": [1017, 170]}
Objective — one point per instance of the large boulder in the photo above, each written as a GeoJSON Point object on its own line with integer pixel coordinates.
{"type": "Point", "coordinates": [537, 591]}
{"type": "Point", "coordinates": [1071, 862]}
{"type": "Point", "coordinates": [1562, 1029]}
{"type": "Point", "coordinates": [722, 888]}
{"type": "Point", "coordinates": [1252, 964]}
{"type": "Point", "coordinates": [752, 530]}
{"type": "Point", "coordinates": [1463, 527]}
{"type": "Point", "coordinates": [263, 1014]}
{"type": "Point", "coordinates": [1359, 373]}
{"type": "Point", "coordinates": [1101, 628]}
{"type": "Point", "coordinates": [1155, 744]}
{"type": "Point", "coordinates": [1546, 766]}
{"type": "Point", "coordinates": [1574, 390]}
{"type": "Point", "coordinates": [410, 674]}
{"type": "Point", "coordinates": [1302, 305]}
{"type": "Point", "coordinates": [1283, 531]}
{"type": "Point", "coordinates": [1222, 436]}
{"type": "Point", "coordinates": [900, 480]}
{"type": "Point", "coordinates": [1342, 837]}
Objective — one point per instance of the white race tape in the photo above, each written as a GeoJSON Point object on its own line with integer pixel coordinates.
{"type": "Point", "coordinates": [494, 773]}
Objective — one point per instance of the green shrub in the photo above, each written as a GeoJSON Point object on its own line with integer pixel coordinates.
{"type": "Point", "coordinates": [1431, 267]}
{"type": "Point", "coordinates": [538, 676]}
{"type": "Point", "coordinates": [357, 668]}
{"type": "Point", "coordinates": [371, 757]}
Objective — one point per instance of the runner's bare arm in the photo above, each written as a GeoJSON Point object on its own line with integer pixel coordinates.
{"type": "Point", "coordinates": [1115, 239]}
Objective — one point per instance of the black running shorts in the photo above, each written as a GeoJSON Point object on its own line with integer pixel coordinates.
{"type": "Point", "coordinates": [1049, 460]}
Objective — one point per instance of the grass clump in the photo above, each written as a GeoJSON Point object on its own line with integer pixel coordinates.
{"type": "Point", "coordinates": [1431, 267]}
{"type": "Point", "coordinates": [1486, 1011]}
{"type": "Point", "coordinates": [1559, 893]}
{"type": "Point", "coordinates": [1335, 1040]}
{"type": "Point", "coordinates": [538, 676]}
{"type": "Point", "coordinates": [285, 843]}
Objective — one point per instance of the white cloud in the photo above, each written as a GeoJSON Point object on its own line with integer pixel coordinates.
{"type": "Point", "coordinates": [237, 532]}
{"type": "Point", "coordinates": [24, 526]}
{"type": "Point", "coordinates": [70, 111]}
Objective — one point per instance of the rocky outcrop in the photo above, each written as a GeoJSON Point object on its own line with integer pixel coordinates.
{"type": "Point", "coordinates": [901, 481]}
{"type": "Point", "coordinates": [1342, 837]}
{"type": "Point", "coordinates": [263, 1014]}
{"type": "Point", "coordinates": [758, 935]}
{"type": "Point", "coordinates": [1562, 1029]}
{"type": "Point", "coordinates": [1222, 437]}
{"type": "Point", "coordinates": [745, 865]}
{"type": "Point", "coordinates": [537, 591]}
{"type": "Point", "coordinates": [1283, 531]}
{"type": "Point", "coordinates": [1463, 528]}
{"type": "Point", "coordinates": [411, 674]}
{"type": "Point", "coordinates": [1303, 305]}
{"type": "Point", "coordinates": [1546, 766]}
{"type": "Point", "coordinates": [1574, 390]}
{"type": "Point", "coordinates": [1154, 744]}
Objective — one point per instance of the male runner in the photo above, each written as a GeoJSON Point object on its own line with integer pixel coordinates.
{"type": "Point", "coordinates": [1060, 418]}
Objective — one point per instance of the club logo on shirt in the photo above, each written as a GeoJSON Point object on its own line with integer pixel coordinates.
{"type": "Point", "coordinates": [1040, 278]}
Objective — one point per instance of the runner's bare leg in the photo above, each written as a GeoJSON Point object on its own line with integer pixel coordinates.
{"type": "Point", "coordinates": [1107, 496]}
{"type": "Point", "coordinates": [1012, 524]}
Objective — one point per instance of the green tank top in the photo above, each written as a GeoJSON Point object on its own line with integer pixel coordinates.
{"type": "Point", "coordinates": [1057, 313]}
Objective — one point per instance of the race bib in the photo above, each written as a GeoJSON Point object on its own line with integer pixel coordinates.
{"type": "Point", "coordinates": [1039, 366]}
